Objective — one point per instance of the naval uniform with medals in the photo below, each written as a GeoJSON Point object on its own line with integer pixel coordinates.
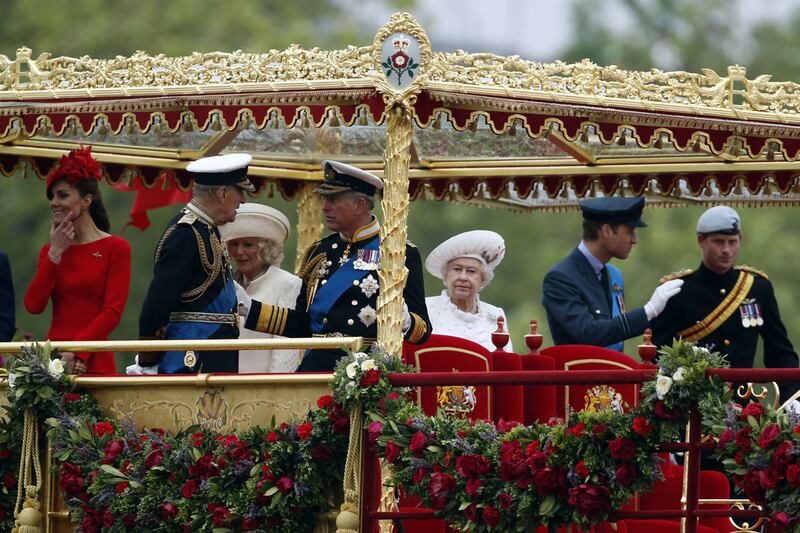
{"type": "Point", "coordinates": [727, 313]}
{"type": "Point", "coordinates": [339, 296]}
{"type": "Point", "coordinates": [191, 295]}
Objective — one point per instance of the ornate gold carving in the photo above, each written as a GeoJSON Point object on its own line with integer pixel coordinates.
{"type": "Point", "coordinates": [242, 413]}
{"type": "Point", "coordinates": [198, 69]}
{"type": "Point", "coordinates": [212, 411]}
{"type": "Point", "coordinates": [746, 526]}
{"type": "Point", "coordinates": [309, 224]}
{"type": "Point", "coordinates": [402, 23]}
{"type": "Point", "coordinates": [602, 398]}
{"type": "Point", "coordinates": [181, 412]}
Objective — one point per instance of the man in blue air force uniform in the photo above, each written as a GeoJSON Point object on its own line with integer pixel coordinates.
{"type": "Point", "coordinates": [584, 295]}
{"type": "Point", "coordinates": [192, 293]}
{"type": "Point", "coordinates": [340, 287]}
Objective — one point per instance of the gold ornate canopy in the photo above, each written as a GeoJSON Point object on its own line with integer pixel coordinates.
{"type": "Point", "coordinates": [485, 128]}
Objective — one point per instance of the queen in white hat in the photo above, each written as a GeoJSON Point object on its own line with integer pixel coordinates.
{"type": "Point", "coordinates": [255, 241]}
{"type": "Point", "coordinates": [466, 263]}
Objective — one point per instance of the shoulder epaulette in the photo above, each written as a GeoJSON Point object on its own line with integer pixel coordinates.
{"type": "Point", "coordinates": [676, 275]}
{"type": "Point", "coordinates": [752, 270]}
{"type": "Point", "coordinates": [308, 264]}
{"type": "Point", "coordinates": [187, 218]}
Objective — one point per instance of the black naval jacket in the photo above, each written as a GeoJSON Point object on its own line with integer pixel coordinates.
{"type": "Point", "coordinates": [353, 313]}
{"type": "Point", "coordinates": [191, 268]}
{"type": "Point", "coordinates": [702, 292]}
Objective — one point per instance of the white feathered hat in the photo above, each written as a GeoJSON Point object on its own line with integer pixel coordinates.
{"type": "Point", "coordinates": [259, 221]}
{"type": "Point", "coordinates": [488, 247]}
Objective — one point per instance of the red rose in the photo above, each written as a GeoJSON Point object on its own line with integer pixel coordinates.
{"type": "Point", "coordinates": [71, 481]}
{"type": "Point", "coordinates": [189, 488]}
{"type": "Point", "coordinates": [9, 481]}
{"type": "Point", "coordinates": [662, 411]}
{"type": "Point", "coordinates": [284, 484]}
{"type": "Point", "coordinates": [577, 429]}
{"type": "Point", "coordinates": [599, 429]}
{"type": "Point", "coordinates": [129, 520]}
{"type": "Point", "coordinates": [197, 439]}
{"type": "Point", "coordinates": [372, 376]}
{"type": "Point", "coordinates": [5, 453]}
{"type": "Point", "coordinates": [473, 484]}
{"type": "Point", "coordinates": [419, 475]}
{"type": "Point", "coordinates": [112, 451]}
{"type": "Point", "coordinates": [400, 60]}
{"type": "Point", "coordinates": [538, 460]}
{"type": "Point", "coordinates": [491, 516]}
{"type": "Point", "coordinates": [392, 452]}
{"type": "Point", "coordinates": [108, 519]}
{"type": "Point", "coordinates": [506, 426]}
{"type": "Point", "coordinates": [440, 489]}
{"type": "Point", "coordinates": [783, 521]}
{"type": "Point", "coordinates": [472, 465]}
{"type": "Point", "coordinates": [374, 431]}
{"type": "Point", "coordinates": [103, 428]}
{"type": "Point", "coordinates": [304, 430]}
{"type": "Point", "coordinates": [622, 449]}
{"type": "Point", "coordinates": [751, 485]}
{"type": "Point", "coordinates": [70, 397]}
{"type": "Point", "coordinates": [321, 453]}
{"type": "Point", "coordinates": [743, 439]}
{"type": "Point", "coordinates": [769, 479]}
{"type": "Point", "coordinates": [641, 426]}
{"type": "Point", "coordinates": [168, 511]}
{"type": "Point", "coordinates": [471, 513]}
{"type": "Point", "coordinates": [220, 516]}
{"type": "Point", "coordinates": [342, 424]}
{"type": "Point", "coordinates": [153, 458]}
{"type": "Point", "coordinates": [505, 500]}
{"type": "Point", "coordinates": [418, 443]}
{"type": "Point", "coordinates": [753, 409]}
{"type": "Point", "coordinates": [768, 436]}
{"type": "Point", "coordinates": [325, 402]}
{"type": "Point", "coordinates": [550, 481]}
{"type": "Point", "coordinates": [121, 487]}
{"type": "Point", "coordinates": [625, 474]}
{"type": "Point", "coordinates": [796, 429]}
{"type": "Point", "coordinates": [726, 437]}
{"type": "Point", "coordinates": [590, 500]}
{"type": "Point", "coordinates": [793, 475]}
{"type": "Point", "coordinates": [271, 436]}
{"type": "Point", "coordinates": [581, 469]}
{"type": "Point", "coordinates": [249, 524]}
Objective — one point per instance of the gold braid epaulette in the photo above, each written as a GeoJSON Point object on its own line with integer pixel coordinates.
{"type": "Point", "coordinates": [676, 275]}
{"type": "Point", "coordinates": [308, 264]}
{"type": "Point", "coordinates": [752, 270]}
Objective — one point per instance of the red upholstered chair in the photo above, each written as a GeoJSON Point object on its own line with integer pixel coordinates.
{"type": "Point", "coordinates": [442, 353]}
{"type": "Point", "coordinates": [667, 493]}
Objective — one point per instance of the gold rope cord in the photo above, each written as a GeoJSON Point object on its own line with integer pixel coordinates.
{"type": "Point", "coordinates": [395, 204]}
{"type": "Point", "coordinates": [26, 510]}
{"type": "Point", "coordinates": [309, 226]}
{"type": "Point", "coordinates": [348, 521]}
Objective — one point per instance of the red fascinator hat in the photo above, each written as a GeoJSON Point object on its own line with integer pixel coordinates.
{"type": "Point", "coordinates": [77, 166]}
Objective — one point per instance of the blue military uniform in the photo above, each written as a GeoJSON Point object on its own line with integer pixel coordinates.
{"type": "Point", "coordinates": [192, 295]}
{"type": "Point", "coordinates": [584, 304]}
{"type": "Point", "coordinates": [8, 325]}
{"type": "Point", "coordinates": [339, 294]}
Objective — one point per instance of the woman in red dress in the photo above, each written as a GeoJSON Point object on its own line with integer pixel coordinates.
{"type": "Point", "coordinates": [85, 270]}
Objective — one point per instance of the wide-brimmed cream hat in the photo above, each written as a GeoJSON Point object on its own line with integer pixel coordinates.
{"type": "Point", "coordinates": [259, 221]}
{"type": "Point", "coordinates": [486, 246]}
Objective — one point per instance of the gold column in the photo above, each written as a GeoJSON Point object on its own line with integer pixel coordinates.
{"type": "Point", "coordinates": [395, 203]}
{"type": "Point", "coordinates": [309, 225]}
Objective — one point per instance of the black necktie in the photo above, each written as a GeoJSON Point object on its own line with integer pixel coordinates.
{"type": "Point", "coordinates": [604, 282]}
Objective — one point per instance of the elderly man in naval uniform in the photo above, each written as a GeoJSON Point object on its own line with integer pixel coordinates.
{"type": "Point", "coordinates": [340, 288]}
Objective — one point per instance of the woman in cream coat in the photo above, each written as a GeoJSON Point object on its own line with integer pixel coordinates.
{"type": "Point", "coordinates": [255, 242]}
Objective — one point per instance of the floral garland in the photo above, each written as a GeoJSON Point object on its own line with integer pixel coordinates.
{"type": "Point", "coordinates": [115, 478]}
{"type": "Point", "coordinates": [478, 476]}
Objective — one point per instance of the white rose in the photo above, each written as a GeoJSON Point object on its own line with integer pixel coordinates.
{"type": "Point", "coordinates": [56, 368]}
{"type": "Point", "coordinates": [369, 364]}
{"type": "Point", "coordinates": [11, 379]}
{"type": "Point", "coordinates": [663, 384]}
{"type": "Point", "coordinates": [352, 369]}
{"type": "Point", "coordinates": [349, 386]}
{"type": "Point", "coordinates": [680, 375]}
{"type": "Point", "coordinates": [360, 356]}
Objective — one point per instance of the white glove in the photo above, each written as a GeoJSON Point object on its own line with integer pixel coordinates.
{"type": "Point", "coordinates": [793, 408]}
{"type": "Point", "coordinates": [244, 300]}
{"type": "Point", "coordinates": [406, 318]}
{"type": "Point", "coordinates": [136, 370]}
{"type": "Point", "coordinates": [662, 294]}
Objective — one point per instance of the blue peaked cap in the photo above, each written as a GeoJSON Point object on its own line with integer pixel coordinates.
{"type": "Point", "coordinates": [614, 210]}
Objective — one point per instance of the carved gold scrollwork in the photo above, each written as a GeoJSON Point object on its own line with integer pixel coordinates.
{"type": "Point", "coordinates": [746, 526]}
{"type": "Point", "coordinates": [242, 413]}
{"type": "Point", "coordinates": [180, 412]}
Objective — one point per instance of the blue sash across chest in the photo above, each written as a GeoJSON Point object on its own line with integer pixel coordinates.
{"type": "Point", "coordinates": [341, 280]}
{"type": "Point", "coordinates": [617, 287]}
